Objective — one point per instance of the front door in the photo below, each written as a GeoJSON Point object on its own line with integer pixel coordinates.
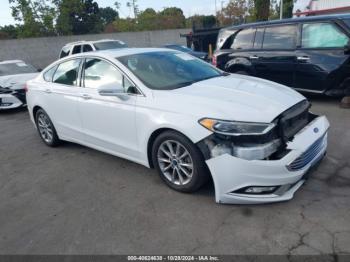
{"type": "Point", "coordinates": [108, 121]}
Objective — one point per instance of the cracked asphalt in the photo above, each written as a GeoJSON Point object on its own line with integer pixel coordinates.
{"type": "Point", "coordinates": [75, 200]}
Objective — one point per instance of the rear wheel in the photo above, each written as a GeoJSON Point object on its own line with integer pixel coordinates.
{"type": "Point", "coordinates": [179, 162]}
{"type": "Point", "coordinates": [46, 129]}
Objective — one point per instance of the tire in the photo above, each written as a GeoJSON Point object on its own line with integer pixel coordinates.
{"type": "Point", "coordinates": [46, 129]}
{"type": "Point", "coordinates": [241, 72]}
{"type": "Point", "coordinates": [174, 167]}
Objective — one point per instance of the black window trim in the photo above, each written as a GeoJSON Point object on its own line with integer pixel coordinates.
{"type": "Point", "coordinates": [82, 84]}
{"type": "Point", "coordinates": [333, 22]}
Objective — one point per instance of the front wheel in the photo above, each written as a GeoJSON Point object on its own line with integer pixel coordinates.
{"type": "Point", "coordinates": [179, 162]}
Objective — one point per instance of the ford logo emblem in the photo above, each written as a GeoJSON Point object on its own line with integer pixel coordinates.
{"type": "Point", "coordinates": [316, 130]}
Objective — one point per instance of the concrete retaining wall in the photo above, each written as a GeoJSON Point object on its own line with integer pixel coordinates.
{"type": "Point", "coordinates": [42, 51]}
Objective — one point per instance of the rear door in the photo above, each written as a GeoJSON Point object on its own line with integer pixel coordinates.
{"type": "Point", "coordinates": [321, 61]}
{"type": "Point", "coordinates": [276, 60]}
{"type": "Point", "coordinates": [61, 95]}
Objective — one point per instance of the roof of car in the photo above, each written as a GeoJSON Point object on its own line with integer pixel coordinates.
{"type": "Point", "coordinates": [128, 51]}
{"type": "Point", "coordinates": [292, 20]}
{"type": "Point", "coordinates": [91, 41]}
{"type": "Point", "coordinates": [11, 61]}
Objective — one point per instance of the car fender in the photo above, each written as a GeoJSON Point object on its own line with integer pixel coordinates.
{"type": "Point", "coordinates": [239, 63]}
{"type": "Point", "coordinates": [150, 121]}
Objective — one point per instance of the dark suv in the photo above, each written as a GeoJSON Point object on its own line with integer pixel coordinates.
{"type": "Point", "coordinates": [310, 54]}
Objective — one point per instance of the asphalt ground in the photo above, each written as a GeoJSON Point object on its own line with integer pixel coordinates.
{"type": "Point", "coordinates": [76, 200]}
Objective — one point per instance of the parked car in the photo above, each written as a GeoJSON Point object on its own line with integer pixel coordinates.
{"type": "Point", "coordinates": [310, 54]}
{"type": "Point", "coordinates": [13, 76]}
{"type": "Point", "coordinates": [201, 55]}
{"type": "Point", "coordinates": [90, 46]}
{"type": "Point", "coordinates": [191, 121]}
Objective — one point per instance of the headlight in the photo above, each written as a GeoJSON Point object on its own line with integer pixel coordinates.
{"type": "Point", "coordinates": [235, 128]}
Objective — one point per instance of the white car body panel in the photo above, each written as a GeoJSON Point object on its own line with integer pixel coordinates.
{"type": "Point", "coordinates": [123, 127]}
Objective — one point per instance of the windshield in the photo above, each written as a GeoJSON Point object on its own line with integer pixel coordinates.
{"type": "Point", "coordinates": [16, 69]}
{"type": "Point", "coordinates": [109, 45]}
{"type": "Point", "coordinates": [168, 70]}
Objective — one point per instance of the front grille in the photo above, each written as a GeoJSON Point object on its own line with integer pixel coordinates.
{"type": "Point", "coordinates": [4, 90]}
{"type": "Point", "coordinates": [293, 120]}
{"type": "Point", "coordinates": [20, 94]}
{"type": "Point", "coordinates": [309, 155]}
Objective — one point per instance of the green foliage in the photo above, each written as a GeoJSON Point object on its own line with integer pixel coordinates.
{"type": "Point", "coordinates": [148, 20]}
{"type": "Point", "coordinates": [108, 15]}
{"type": "Point", "coordinates": [262, 9]}
{"type": "Point", "coordinates": [78, 17]}
{"type": "Point", "coordinates": [36, 17]}
{"type": "Point", "coordinates": [8, 32]}
{"type": "Point", "coordinates": [171, 18]}
{"type": "Point", "coordinates": [201, 21]}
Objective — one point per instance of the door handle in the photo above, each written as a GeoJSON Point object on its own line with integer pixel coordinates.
{"type": "Point", "coordinates": [86, 96]}
{"type": "Point", "coordinates": [48, 91]}
{"type": "Point", "coordinates": [254, 57]}
{"type": "Point", "coordinates": [303, 58]}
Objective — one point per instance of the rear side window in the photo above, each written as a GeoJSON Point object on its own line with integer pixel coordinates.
{"type": "Point", "coordinates": [67, 73]}
{"type": "Point", "coordinates": [322, 35]}
{"type": "Point", "coordinates": [48, 75]}
{"type": "Point", "coordinates": [244, 39]}
{"type": "Point", "coordinates": [65, 51]}
{"type": "Point", "coordinates": [76, 49]}
{"type": "Point", "coordinates": [87, 48]}
{"type": "Point", "coordinates": [280, 37]}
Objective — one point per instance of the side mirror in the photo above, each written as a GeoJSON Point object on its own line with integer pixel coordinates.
{"type": "Point", "coordinates": [39, 70]}
{"type": "Point", "coordinates": [112, 90]}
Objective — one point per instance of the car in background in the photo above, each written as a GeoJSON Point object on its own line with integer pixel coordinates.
{"type": "Point", "coordinates": [89, 46]}
{"type": "Point", "coordinates": [189, 120]}
{"type": "Point", "coordinates": [201, 55]}
{"type": "Point", "coordinates": [13, 77]}
{"type": "Point", "coordinates": [309, 54]}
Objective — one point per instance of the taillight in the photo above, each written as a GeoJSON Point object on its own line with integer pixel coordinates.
{"type": "Point", "coordinates": [25, 87]}
{"type": "Point", "coordinates": [214, 60]}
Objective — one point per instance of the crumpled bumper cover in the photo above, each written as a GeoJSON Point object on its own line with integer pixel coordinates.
{"type": "Point", "coordinates": [230, 173]}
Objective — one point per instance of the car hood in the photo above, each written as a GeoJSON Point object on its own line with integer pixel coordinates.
{"type": "Point", "coordinates": [16, 81]}
{"type": "Point", "coordinates": [233, 97]}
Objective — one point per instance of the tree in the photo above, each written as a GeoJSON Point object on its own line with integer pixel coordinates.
{"type": "Point", "coordinates": [36, 17]}
{"type": "Point", "coordinates": [108, 15]}
{"type": "Point", "coordinates": [262, 9]}
{"type": "Point", "coordinates": [133, 5]}
{"type": "Point", "coordinates": [8, 32]}
{"type": "Point", "coordinates": [234, 13]}
{"type": "Point", "coordinates": [78, 17]}
{"type": "Point", "coordinates": [288, 8]}
{"type": "Point", "coordinates": [148, 20]}
{"type": "Point", "coordinates": [171, 18]}
{"type": "Point", "coordinates": [201, 21]}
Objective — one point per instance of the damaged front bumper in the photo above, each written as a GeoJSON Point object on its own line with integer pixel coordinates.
{"type": "Point", "coordinates": [241, 181]}
{"type": "Point", "coordinates": [12, 98]}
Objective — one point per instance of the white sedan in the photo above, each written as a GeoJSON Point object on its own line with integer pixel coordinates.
{"type": "Point", "coordinates": [165, 109]}
{"type": "Point", "coordinates": [13, 76]}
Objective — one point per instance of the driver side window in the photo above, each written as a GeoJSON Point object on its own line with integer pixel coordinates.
{"type": "Point", "coordinates": [99, 73]}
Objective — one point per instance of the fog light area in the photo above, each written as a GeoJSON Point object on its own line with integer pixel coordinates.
{"type": "Point", "coordinates": [245, 151]}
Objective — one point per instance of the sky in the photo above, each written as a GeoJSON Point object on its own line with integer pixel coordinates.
{"type": "Point", "coordinates": [190, 7]}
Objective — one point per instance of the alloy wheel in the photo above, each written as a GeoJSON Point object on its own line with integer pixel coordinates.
{"type": "Point", "coordinates": [45, 128]}
{"type": "Point", "coordinates": [175, 162]}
